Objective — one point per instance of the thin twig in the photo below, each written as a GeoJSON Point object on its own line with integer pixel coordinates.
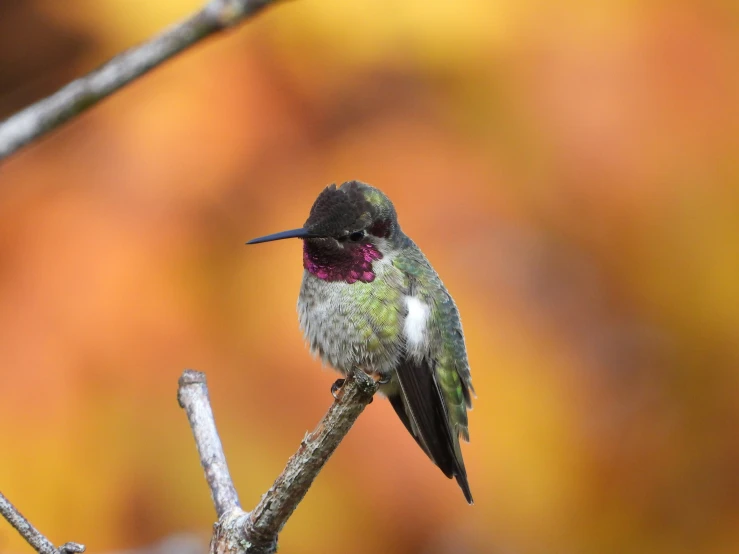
{"type": "Point", "coordinates": [193, 397]}
{"type": "Point", "coordinates": [256, 532]}
{"type": "Point", "coordinates": [32, 535]}
{"type": "Point", "coordinates": [69, 101]}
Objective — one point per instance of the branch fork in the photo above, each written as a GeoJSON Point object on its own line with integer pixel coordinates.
{"type": "Point", "coordinates": [33, 536]}
{"type": "Point", "coordinates": [256, 532]}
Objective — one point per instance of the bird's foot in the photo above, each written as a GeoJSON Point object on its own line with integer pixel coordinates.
{"type": "Point", "coordinates": [336, 388]}
{"type": "Point", "coordinates": [339, 383]}
{"type": "Point", "coordinates": [380, 380]}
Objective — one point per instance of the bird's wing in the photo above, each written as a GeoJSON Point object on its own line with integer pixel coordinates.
{"type": "Point", "coordinates": [434, 385]}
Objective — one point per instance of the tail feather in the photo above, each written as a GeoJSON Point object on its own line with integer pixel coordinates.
{"type": "Point", "coordinates": [421, 407]}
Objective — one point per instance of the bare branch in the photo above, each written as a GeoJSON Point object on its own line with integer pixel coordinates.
{"type": "Point", "coordinates": [193, 397]}
{"type": "Point", "coordinates": [278, 504]}
{"type": "Point", "coordinates": [32, 535]}
{"type": "Point", "coordinates": [71, 100]}
{"type": "Point", "coordinates": [256, 532]}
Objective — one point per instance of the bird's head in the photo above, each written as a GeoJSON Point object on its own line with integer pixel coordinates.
{"type": "Point", "coordinates": [349, 227]}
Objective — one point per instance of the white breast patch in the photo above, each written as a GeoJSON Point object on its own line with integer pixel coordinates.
{"type": "Point", "coordinates": [415, 327]}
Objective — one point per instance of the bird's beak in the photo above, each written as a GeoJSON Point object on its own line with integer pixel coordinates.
{"type": "Point", "coordinates": [301, 233]}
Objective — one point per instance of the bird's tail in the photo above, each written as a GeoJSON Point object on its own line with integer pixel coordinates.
{"type": "Point", "coordinates": [422, 409]}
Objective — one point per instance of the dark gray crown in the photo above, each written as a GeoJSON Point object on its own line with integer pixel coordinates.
{"type": "Point", "coordinates": [351, 207]}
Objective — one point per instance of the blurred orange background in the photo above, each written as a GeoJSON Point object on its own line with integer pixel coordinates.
{"type": "Point", "coordinates": [571, 169]}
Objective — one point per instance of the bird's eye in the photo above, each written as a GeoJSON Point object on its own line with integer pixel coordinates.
{"type": "Point", "coordinates": [356, 236]}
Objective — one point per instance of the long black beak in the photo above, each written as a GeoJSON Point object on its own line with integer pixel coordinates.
{"type": "Point", "coordinates": [291, 234]}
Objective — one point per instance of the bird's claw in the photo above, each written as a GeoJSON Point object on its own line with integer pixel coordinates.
{"type": "Point", "coordinates": [336, 390]}
{"type": "Point", "coordinates": [336, 387]}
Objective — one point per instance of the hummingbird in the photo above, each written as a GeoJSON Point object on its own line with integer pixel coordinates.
{"type": "Point", "coordinates": [371, 301]}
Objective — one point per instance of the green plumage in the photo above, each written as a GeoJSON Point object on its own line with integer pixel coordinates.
{"type": "Point", "coordinates": [446, 346]}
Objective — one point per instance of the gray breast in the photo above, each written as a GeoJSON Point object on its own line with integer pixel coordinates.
{"type": "Point", "coordinates": [337, 323]}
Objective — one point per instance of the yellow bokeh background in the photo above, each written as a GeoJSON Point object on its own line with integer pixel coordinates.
{"type": "Point", "coordinates": [571, 169]}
